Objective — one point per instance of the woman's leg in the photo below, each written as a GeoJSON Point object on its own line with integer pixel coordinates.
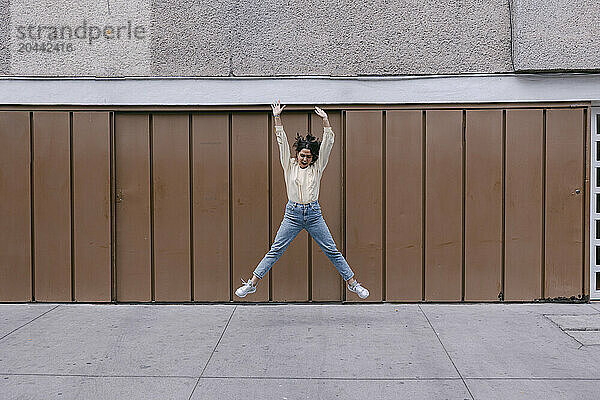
{"type": "Point", "coordinates": [288, 230]}
{"type": "Point", "coordinates": [317, 228]}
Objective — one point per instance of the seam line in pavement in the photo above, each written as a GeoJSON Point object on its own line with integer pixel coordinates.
{"type": "Point", "coordinates": [446, 351]}
{"type": "Point", "coordinates": [400, 379]}
{"type": "Point", "coordinates": [545, 316]}
{"type": "Point", "coordinates": [499, 378]}
{"type": "Point", "coordinates": [333, 378]}
{"type": "Point", "coordinates": [213, 352]}
{"type": "Point", "coordinates": [593, 308]}
{"type": "Point", "coordinates": [581, 329]}
{"type": "Point", "coordinates": [307, 378]}
{"type": "Point", "coordinates": [100, 376]}
{"type": "Point", "coordinates": [27, 323]}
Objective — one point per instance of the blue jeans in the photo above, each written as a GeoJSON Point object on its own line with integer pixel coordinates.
{"type": "Point", "coordinates": [297, 217]}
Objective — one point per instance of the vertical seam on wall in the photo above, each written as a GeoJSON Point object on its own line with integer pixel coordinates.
{"type": "Point", "coordinates": [423, 197]}
{"type": "Point", "coordinates": [383, 205]}
{"type": "Point", "coordinates": [463, 194]}
{"type": "Point", "coordinates": [543, 266]}
{"type": "Point", "coordinates": [151, 163]}
{"type": "Point", "coordinates": [230, 213]}
{"type": "Point", "coordinates": [510, 23]}
{"type": "Point", "coordinates": [191, 183]}
{"type": "Point", "coordinates": [503, 239]}
{"type": "Point", "coordinates": [270, 127]}
{"type": "Point", "coordinates": [344, 149]}
{"type": "Point", "coordinates": [309, 241]}
{"type": "Point", "coordinates": [71, 169]}
{"type": "Point", "coordinates": [32, 208]}
{"type": "Point", "coordinates": [113, 213]}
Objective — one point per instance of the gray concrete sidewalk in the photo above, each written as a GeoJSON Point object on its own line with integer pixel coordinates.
{"type": "Point", "coordinates": [350, 351]}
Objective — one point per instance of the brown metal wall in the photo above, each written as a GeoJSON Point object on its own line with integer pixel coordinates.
{"type": "Point", "coordinates": [443, 205]}
{"type": "Point", "coordinates": [564, 202]}
{"type": "Point", "coordinates": [171, 211]}
{"type": "Point", "coordinates": [404, 205]}
{"type": "Point", "coordinates": [250, 197]}
{"type": "Point", "coordinates": [132, 209]}
{"type": "Point", "coordinates": [91, 206]}
{"type": "Point", "coordinates": [210, 199]}
{"type": "Point", "coordinates": [524, 204]}
{"type": "Point", "coordinates": [364, 199]}
{"type": "Point", "coordinates": [52, 206]}
{"type": "Point", "coordinates": [427, 204]}
{"type": "Point", "coordinates": [15, 207]}
{"type": "Point", "coordinates": [483, 204]}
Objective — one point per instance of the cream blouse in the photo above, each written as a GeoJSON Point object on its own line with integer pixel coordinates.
{"type": "Point", "coordinates": [303, 183]}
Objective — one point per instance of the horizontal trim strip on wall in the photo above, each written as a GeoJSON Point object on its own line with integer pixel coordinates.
{"type": "Point", "coordinates": [448, 89]}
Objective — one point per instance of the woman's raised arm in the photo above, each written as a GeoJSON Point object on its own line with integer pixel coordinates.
{"type": "Point", "coordinates": [328, 139]}
{"type": "Point", "coordinates": [277, 109]}
{"type": "Point", "coordinates": [282, 141]}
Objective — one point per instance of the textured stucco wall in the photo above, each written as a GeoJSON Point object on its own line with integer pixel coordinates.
{"type": "Point", "coordinates": [192, 37]}
{"type": "Point", "coordinates": [4, 36]}
{"type": "Point", "coordinates": [220, 38]}
{"type": "Point", "coordinates": [346, 37]}
{"type": "Point", "coordinates": [324, 37]}
{"type": "Point", "coordinates": [556, 34]}
{"type": "Point", "coordinates": [272, 38]}
{"type": "Point", "coordinates": [82, 38]}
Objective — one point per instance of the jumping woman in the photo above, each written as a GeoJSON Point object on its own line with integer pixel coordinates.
{"type": "Point", "coordinates": [302, 179]}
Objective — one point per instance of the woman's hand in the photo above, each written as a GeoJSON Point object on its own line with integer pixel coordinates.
{"type": "Point", "coordinates": [277, 108]}
{"type": "Point", "coordinates": [320, 113]}
{"type": "Point", "coordinates": [323, 115]}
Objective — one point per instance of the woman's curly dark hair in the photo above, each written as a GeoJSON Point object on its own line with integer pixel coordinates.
{"type": "Point", "coordinates": [308, 142]}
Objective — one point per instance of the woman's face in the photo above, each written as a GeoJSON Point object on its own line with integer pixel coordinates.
{"type": "Point", "coordinates": [304, 158]}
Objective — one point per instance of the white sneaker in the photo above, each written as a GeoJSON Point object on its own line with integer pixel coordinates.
{"type": "Point", "coordinates": [246, 288]}
{"type": "Point", "coordinates": [362, 292]}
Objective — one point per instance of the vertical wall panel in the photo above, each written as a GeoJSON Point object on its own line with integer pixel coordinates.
{"type": "Point", "coordinates": [564, 177]}
{"type": "Point", "coordinates": [523, 204]}
{"type": "Point", "coordinates": [326, 280]}
{"type": "Point", "coordinates": [250, 191]}
{"type": "Point", "coordinates": [586, 190]}
{"type": "Point", "coordinates": [483, 205]}
{"type": "Point", "coordinates": [290, 273]}
{"type": "Point", "coordinates": [364, 200]}
{"type": "Point", "coordinates": [91, 206]}
{"type": "Point", "coordinates": [15, 207]}
{"type": "Point", "coordinates": [171, 186]}
{"type": "Point", "coordinates": [443, 225]}
{"type": "Point", "coordinates": [133, 264]}
{"type": "Point", "coordinates": [52, 206]}
{"type": "Point", "coordinates": [404, 197]}
{"type": "Point", "coordinates": [210, 154]}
